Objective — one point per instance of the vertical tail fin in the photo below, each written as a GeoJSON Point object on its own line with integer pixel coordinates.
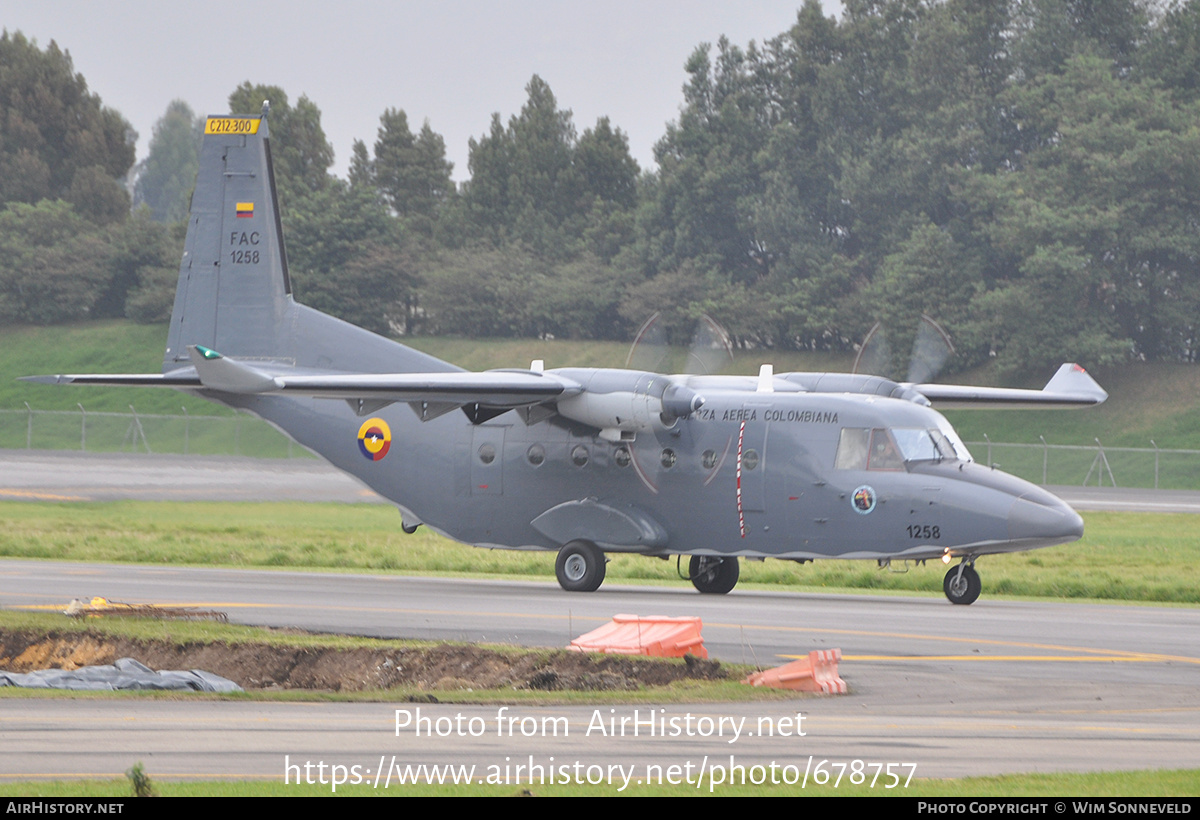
{"type": "Point", "coordinates": [233, 293]}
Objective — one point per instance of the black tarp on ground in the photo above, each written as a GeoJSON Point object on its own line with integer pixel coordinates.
{"type": "Point", "coordinates": [125, 674]}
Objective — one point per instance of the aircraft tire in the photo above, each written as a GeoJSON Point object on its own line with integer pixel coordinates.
{"type": "Point", "coordinates": [580, 567]}
{"type": "Point", "coordinates": [962, 590]}
{"type": "Point", "coordinates": [713, 575]}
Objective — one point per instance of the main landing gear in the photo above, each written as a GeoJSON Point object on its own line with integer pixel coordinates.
{"type": "Point", "coordinates": [962, 584]}
{"type": "Point", "coordinates": [713, 574]}
{"type": "Point", "coordinates": [580, 567]}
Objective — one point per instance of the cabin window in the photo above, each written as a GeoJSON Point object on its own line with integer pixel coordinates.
{"type": "Point", "coordinates": [621, 457]}
{"type": "Point", "coordinates": [709, 459]}
{"type": "Point", "coordinates": [487, 453]}
{"type": "Point", "coordinates": [750, 459]}
{"type": "Point", "coordinates": [668, 458]}
{"type": "Point", "coordinates": [579, 456]}
{"type": "Point", "coordinates": [535, 455]}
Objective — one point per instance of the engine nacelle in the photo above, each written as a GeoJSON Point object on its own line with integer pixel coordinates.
{"type": "Point", "coordinates": [621, 403]}
{"type": "Point", "coordinates": [855, 383]}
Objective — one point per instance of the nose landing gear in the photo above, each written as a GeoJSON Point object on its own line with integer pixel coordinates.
{"type": "Point", "coordinates": [962, 584]}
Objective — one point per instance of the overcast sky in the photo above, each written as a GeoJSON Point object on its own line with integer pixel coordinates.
{"type": "Point", "coordinates": [453, 62]}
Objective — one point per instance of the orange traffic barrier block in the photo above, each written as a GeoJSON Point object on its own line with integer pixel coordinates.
{"type": "Point", "coordinates": [816, 673]}
{"type": "Point", "coordinates": [654, 635]}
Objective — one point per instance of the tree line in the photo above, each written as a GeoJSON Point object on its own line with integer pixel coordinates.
{"type": "Point", "coordinates": [1023, 171]}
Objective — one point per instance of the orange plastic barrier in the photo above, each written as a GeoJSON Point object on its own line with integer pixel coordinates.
{"type": "Point", "coordinates": [816, 673]}
{"type": "Point", "coordinates": [654, 635]}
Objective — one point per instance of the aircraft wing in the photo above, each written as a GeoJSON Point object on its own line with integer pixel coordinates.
{"type": "Point", "coordinates": [1070, 387]}
{"type": "Point", "coordinates": [495, 389]}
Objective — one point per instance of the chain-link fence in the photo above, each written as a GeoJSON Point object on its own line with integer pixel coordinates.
{"type": "Point", "coordinates": [1096, 465]}
{"type": "Point", "coordinates": [243, 435]}
{"type": "Point", "coordinates": [133, 432]}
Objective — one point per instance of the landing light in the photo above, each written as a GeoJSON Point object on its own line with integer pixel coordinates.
{"type": "Point", "coordinates": [946, 557]}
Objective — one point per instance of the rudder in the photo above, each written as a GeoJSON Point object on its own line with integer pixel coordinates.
{"type": "Point", "coordinates": [233, 290]}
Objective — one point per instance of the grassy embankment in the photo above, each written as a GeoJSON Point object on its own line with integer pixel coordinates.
{"type": "Point", "coordinates": [1123, 556]}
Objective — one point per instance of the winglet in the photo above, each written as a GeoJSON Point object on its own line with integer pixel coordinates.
{"type": "Point", "coordinates": [1072, 380]}
{"type": "Point", "coordinates": [1071, 386]}
{"type": "Point", "coordinates": [219, 373]}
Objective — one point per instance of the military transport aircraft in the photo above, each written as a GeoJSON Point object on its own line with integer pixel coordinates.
{"type": "Point", "coordinates": [589, 461]}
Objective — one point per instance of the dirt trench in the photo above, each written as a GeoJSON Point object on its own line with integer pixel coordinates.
{"type": "Point", "coordinates": [443, 666]}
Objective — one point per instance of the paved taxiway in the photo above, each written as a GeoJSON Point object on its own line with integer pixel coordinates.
{"type": "Point", "coordinates": [1000, 686]}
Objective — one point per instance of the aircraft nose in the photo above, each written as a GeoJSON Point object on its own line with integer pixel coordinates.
{"type": "Point", "coordinates": [1046, 519]}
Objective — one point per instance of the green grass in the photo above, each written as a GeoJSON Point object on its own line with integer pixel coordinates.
{"type": "Point", "coordinates": [1122, 556]}
{"type": "Point", "coordinates": [1184, 783]}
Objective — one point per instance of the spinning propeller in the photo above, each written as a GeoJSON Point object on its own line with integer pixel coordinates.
{"type": "Point", "coordinates": [930, 351]}
{"type": "Point", "coordinates": [710, 352]}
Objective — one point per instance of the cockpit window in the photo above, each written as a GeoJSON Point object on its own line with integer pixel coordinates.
{"type": "Point", "coordinates": [884, 453]}
{"type": "Point", "coordinates": [860, 448]}
{"type": "Point", "coordinates": [946, 447]}
{"type": "Point", "coordinates": [852, 449]}
{"type": "Point", "coordinates": [915, 444]}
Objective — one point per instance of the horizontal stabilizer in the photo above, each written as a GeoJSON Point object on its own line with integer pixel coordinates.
{"type": "Point", "coordinates": [1070, 387]}
{"type": "Point", "coordinates": [184, 377]}
{"type": "Point", "coordinates": [221, 373]}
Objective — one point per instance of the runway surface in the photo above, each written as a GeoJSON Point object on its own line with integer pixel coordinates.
{"type": "Point", "coordinates": [1000, 686]}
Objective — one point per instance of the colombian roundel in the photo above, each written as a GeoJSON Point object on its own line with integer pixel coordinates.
{"type": "Point", "coordinates": [863, 499]}
{"type": "Point", "coordinates": [374, 439]}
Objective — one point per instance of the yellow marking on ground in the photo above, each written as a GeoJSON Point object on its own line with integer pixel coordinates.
{"type": "Point", "coordinates": [40, 496]}
{"type": "Point", "coordinates": [1048, 658]}
{"type": "Point", "coordinates": [968, 640]}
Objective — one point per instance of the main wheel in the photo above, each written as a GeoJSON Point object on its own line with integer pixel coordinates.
{"type": "Point", "coordinates": [962, 589]}
{"type": "Point", "coordinates": [580, 567]}
{"type": "Point", "coordinates": [713, 575]}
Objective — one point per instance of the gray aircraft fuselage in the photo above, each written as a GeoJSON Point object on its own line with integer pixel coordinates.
{"type": "Point", "coordinates": [792, 502]}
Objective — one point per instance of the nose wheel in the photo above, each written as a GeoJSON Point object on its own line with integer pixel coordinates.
{"type": "Point", "coordinates": [962, 584]}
